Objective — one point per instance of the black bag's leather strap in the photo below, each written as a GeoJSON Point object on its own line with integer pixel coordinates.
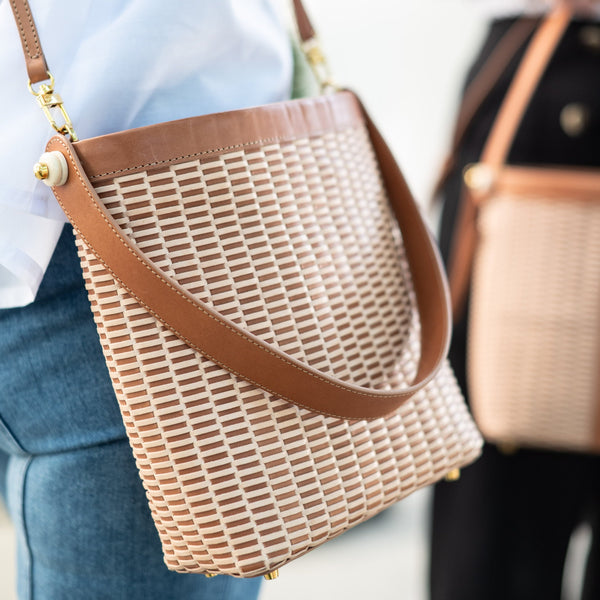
{"type": "Point", "coordinates": [526, 80]}
{"type": "Point", "coordinates": [517, 99]}
{"type": "Point", "coordinates": [480, 88]}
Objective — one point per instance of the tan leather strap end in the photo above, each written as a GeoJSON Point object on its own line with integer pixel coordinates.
{"type": "Point", "coordinates": [460, 263]}
{"type": "Point", "coordinates": [305, 28]}
{"type": "Point", "coordinates": [37, 69]}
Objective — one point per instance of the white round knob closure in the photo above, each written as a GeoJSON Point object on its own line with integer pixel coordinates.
{"type": "Point", "coordinates": [52, 169]}
{"type": "Point", "coordinates": [479, 177]}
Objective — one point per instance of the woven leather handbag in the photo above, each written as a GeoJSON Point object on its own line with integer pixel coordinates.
{"type": "Point", "coordinates": [273, 315]}
{"type": "Point", "coordinates": [534, 321]}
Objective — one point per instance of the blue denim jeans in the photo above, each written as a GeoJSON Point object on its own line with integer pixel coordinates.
{"type": "Point", "coordinates": [84, 530]}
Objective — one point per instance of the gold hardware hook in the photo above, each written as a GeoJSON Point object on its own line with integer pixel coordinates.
{"type": "Point", "coordinates": [50, 102]}
{"type": "Point", "coordinates": [319, 65]}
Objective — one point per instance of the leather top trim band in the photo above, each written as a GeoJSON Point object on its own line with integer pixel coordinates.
{"type": "Point", "coordinates": [237, 350]}
{"type": "Point", "coordinates": [134, 150]}
{"type": "Point", "coordinates": [574, 184]}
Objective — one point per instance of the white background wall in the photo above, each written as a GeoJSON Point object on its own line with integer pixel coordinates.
{"type": "Point", "coordinates": [406, 59]}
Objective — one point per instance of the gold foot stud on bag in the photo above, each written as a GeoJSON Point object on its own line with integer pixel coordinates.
{"type": "Point", "coordinates": [453, 475]}
{"type": "Point", "coordinates": [507, 448]}
{"type": "Point", "coordinates": [209, 575]}
{"type": "Point", "coordinates": [272, 575]}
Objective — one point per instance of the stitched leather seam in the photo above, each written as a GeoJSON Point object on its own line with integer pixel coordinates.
{"type": "Point", "coordinates": [176, 158]}
{"type": "Point", "coordinates": [403, 393]}
{"type": "Point", "coordinates": [215, 150]}
{"type": "Point", "coordinates": [22, 30]}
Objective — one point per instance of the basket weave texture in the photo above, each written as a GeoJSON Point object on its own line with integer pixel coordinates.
{"type": "Point", "coordinates": [534, 323]}
{"type": "Point", "coordinates": [295, 241]}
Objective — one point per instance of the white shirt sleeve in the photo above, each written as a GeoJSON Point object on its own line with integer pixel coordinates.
{"type": "Point", "coordinates": [120, 64]}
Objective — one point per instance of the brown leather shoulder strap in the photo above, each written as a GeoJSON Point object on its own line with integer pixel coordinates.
{"type": "Point", "coordinates": [37, 69]}
{"type": "Point", "coordinates": [527, 78]}
{"type": "Point", "coordinates": [481, 86]}
{"type": "Point", "coordinates": [537, 56]}
{"type": "Point", "coordinates": [237, 350]}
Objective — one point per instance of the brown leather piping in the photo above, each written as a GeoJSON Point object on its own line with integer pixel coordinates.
{"type": "Point", "coordinates": [532, 67]}
{"type": "Point", "coordinates": [37, 69]}
{"type": "Point", "coordinates": [462, 252]}
{"type": "Point", "coordinates": [480, 88]}
{"type": "Point", "coordinates": [240, 352]}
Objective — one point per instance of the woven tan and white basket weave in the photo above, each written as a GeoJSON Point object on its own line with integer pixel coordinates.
{"type": "Point", "coordinates": [534, 313]}
{"type": "Point", "coordinates": [274, 319]}
{"type": "Point", "coordinates": [293, 240]}
{"type": "Point", "coordinates": [535, 317]}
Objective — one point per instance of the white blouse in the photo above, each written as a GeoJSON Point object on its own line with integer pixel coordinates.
{"type": "Point", "coordinates": [120, 64]}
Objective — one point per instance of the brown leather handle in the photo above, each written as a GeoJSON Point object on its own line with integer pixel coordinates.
{"type": "Point", "coordinates": [220, 340]}
{"type": "Point", "coordinates": [35, 61]}
{"type": "Point", "coordinates": [239, 351]}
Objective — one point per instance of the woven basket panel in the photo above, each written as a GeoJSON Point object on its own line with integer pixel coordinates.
{"type": "Point", "coordinates": [294, 241]}
{"type": "Point", "coordinates": [533, 347]}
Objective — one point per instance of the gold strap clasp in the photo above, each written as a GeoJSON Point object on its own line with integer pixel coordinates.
{"type": "Point", "coordinates": [319, 65]}
{"type": "Point", "coordinates": [52, 105]}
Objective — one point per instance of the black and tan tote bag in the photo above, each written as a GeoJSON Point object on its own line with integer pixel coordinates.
{"type": "Point", "coordinates": [532, 238]}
